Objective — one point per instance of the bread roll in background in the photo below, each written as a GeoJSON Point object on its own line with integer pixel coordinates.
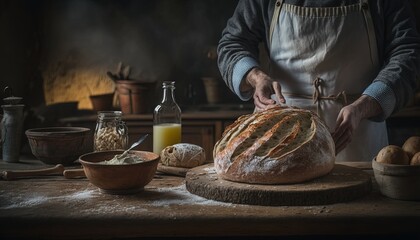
{"type": "Point", "coordinates": [393, 154]}
{"type": "Point", "coordinates": [277, 146]}
{"type": "Point", "coordinates": [415, 160]}
{"type": "Point", "coordinates": [412, 146]}
{"type": "Point", "coordinates": [184, 155]}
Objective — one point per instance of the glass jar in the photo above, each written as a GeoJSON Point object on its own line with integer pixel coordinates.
{"type": "Point", "coordinates": [166, 120]}
{"type": "Point", "coordinates": [111, 133]}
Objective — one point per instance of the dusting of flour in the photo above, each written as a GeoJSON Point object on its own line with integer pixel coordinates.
{"type": "Point", "coordinates": [183, 197]}
{"type": "Point", "coordinates": [102, 202]}
{"type": "Point", "coordinates": [36, 199]}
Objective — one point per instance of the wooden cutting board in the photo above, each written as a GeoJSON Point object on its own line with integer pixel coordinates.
{"type": "Point", "coordinates": [342, 184]}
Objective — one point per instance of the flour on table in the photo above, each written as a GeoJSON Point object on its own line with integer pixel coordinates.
{"type": "Point", "coordinates": [28, 202]}
{"type": "Point", "coordinates": [183, 197]}
{"type": "Point", "coordinates": [36, 199]}
{"type": "Point", "coordinates": [81, 195]}
{"type": "Point", "coordinates": [178, 195]}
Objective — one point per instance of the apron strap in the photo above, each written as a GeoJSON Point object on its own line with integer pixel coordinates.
{"type": "Point", "coordinates": [275, 18]}
{"type": "Point", "coordinates": [370, 33]}
{"type": "Point", "coordinates": [317, 94]}
{"type": "Point", "coordinates": [341, 96]}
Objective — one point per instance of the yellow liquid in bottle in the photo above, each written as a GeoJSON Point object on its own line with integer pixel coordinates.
{"type": "Point", "coordinates": [165, 135]}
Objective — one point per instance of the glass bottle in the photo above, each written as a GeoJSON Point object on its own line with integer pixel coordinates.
{"type": "Point", "coordinates": [166, 120]}
{"type": "Point", "coordinates": [110, 133]}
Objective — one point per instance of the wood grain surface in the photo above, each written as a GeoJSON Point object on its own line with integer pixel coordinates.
{"type": "Point", "coordinates": [53, 207]}
{"type": "Point", "coordinates": [342, 184]}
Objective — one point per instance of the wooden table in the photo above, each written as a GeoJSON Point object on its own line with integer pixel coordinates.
{"type": "Point", "coordinates": [54, 207]}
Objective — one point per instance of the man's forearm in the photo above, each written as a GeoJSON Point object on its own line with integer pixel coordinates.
{"type": "Point", "coordinates": [367, 107]}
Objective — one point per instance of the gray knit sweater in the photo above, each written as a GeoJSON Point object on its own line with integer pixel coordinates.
{"type": "Point", "coordinates": [397, 39]}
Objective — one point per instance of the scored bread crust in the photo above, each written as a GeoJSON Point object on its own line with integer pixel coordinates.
{"type": "Point", "coordinates": [277, 146]}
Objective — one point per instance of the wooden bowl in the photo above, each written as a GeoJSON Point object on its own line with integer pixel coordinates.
{"type": "Point", "coordinates": [123, 178]}
{"type": "Point", "coordinates": [397, 181]}
{"type": "Point", "coordinates": [58, 145]}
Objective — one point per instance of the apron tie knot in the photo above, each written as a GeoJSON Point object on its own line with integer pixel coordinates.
{"type": "Point", "coordinates": [317, 92]}
{"type": "Point", "coordinates": [341, 96]}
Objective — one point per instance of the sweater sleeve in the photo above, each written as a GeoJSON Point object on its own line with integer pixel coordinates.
{"type": "Point", "coordinates": [238, 47]}
{"type": "Point", "coordinates": [240, 70]}
{"type": "Point", "coordinates": [397, 79]}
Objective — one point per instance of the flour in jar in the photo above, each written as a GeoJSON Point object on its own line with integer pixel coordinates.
{"type": "Point", "coordinates": [126, 159]}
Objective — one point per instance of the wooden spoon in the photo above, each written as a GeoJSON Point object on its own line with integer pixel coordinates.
{"type": "Point", "coordinates": [74, 173]}
{"type": "Point", "coordinates": [15, 174]}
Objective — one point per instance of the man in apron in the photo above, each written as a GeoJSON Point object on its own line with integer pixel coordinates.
{"type": "Point", "coordinates": [325, 59]}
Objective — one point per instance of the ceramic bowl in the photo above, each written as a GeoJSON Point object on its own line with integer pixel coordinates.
{"type": "Point", "coordinates": [58, 145]}
{"type": "Point", "coordinates": [397, 181]}
{"type": "Point", "coordinates": [102, 102]}
{"type": "Point", "coordinates": [122, 178]}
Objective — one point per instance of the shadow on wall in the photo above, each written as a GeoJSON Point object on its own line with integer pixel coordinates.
{"type": "Point", "coordinates": [65, 47]}
{"type": "Point", "coordinates": [161, 40]}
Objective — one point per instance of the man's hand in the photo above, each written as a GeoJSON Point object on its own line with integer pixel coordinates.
{"type": "Point", "coordinates": [349, 119]}
{"type": "Point", "coordinates": [264, 86]}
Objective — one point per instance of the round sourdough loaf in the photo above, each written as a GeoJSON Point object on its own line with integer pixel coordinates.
{"type": "Point", "coordinates": [277, 146]}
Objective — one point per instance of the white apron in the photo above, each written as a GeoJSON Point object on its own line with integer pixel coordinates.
{"type": "Point", "coordinates": [324, 59]}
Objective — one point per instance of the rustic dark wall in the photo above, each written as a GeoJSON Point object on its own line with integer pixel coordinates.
{"type": "Point", "coordinates": [19, 50]}
{"type": "Point", "coordinates": [69, 43]}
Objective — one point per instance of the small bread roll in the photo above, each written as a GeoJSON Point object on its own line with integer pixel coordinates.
{"type": "Point", "coordinates": [416, 159]}
{"type": "Point", "coordinates": [393, 155]}
{"type": "Point", "coordinates": [183, 155]}
{"type": "Point", "coordinates": [412, 146]}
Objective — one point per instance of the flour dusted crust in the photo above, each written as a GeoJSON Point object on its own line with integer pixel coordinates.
{"type": "Point", "coordinates": [183, 155]}
{"type": "Point", "coordinates": [277, 146]}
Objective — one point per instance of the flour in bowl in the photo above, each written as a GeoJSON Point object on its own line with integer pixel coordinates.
{"type": "Point", "coordinates": [126, 159]}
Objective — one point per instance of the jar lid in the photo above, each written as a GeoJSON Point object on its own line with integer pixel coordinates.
{"type": "Point", "coordinates": [11, 100]}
